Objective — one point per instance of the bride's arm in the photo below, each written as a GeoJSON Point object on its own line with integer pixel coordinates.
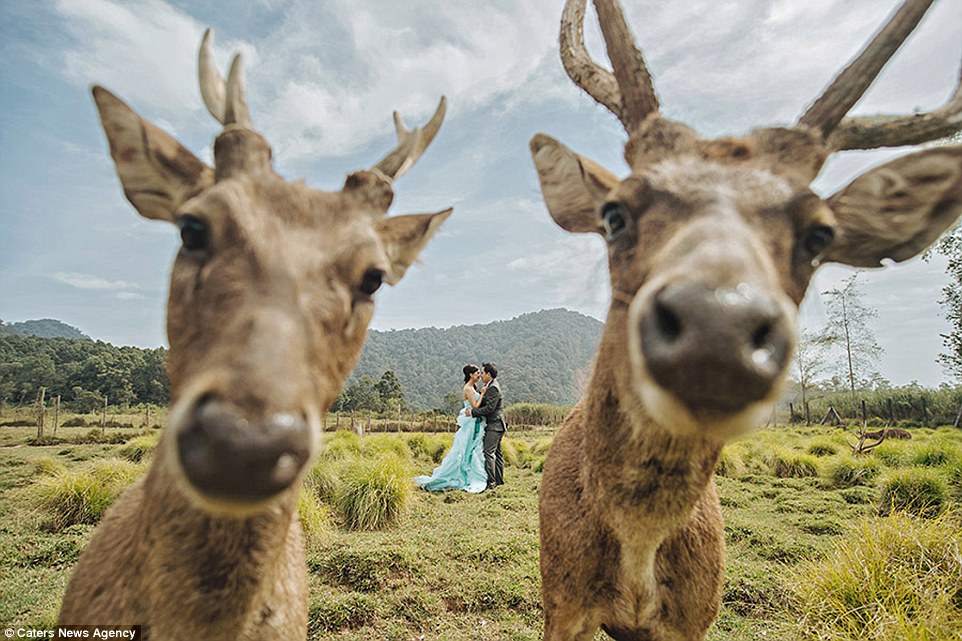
{"type": "Point", "coordinates": [469, 397]}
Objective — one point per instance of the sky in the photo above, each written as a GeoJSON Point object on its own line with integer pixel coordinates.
{"type": "Point", "coordinates": [323, 77]}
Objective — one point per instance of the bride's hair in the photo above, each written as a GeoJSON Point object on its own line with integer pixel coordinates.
{"type": "Point", "coordinates": [468, 371]}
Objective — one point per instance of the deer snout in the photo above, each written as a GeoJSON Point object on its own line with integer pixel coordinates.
{"type": "Point", "coordinates": [229, 457]}
{"type": "Point", "coordinates": [715, 349]}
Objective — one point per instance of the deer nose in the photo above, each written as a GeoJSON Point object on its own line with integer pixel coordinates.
{"type": "Point", "coordinates": [227, 456]}
{"type": "Point", "coordinates": [715, 349]}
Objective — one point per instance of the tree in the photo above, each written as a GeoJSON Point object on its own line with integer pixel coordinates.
{"type": "Point", "coordinates": [847, 329]}
{"type": "Point", "coordinates": [389, 391]}
{"type": "Point", "coordinates": [950, 246]}
{"type": "Point", "coordinates": [809, 361]}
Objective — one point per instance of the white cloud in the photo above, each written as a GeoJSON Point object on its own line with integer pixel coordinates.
{"type": "Point", "coordinates": [88, 281]}
{"type": "Point", "coordinates": [144, 50]}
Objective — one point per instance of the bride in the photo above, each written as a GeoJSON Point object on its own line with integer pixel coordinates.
{"type": "Point", "coordinates": [463, 467]}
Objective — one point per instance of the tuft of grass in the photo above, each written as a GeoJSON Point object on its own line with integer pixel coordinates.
{"type": "Point", "coordinates": [322, 480]}
{"type": "Point", "coordinates": [516, 453]}
{"type": "Point", "coordinates": [380, 444]}
{"type": "Point", "coordinates": [49, 466]}
{"type": "Point", "coordinates": [918, 491]}
{"type": "Point", "coordinates": [848, 471]}
{"type": "Point", "coordinates": [342, 612]}
{"type": "Point", "coordinates": [786, 463]}
{"type": "Point", "coordinates": [373, 494]}
{"type": "Point", "coordinates": [139, 448]}
{"type": "Point", "coordinates": [315, 515]}
{"type": "Point", "coordinates": [823, 447]}
{"type": "Point", "coordinates": [82, 496]}
{"type": "Point", "coordinates": [891, 579]}
{"type": "Point", "coordinates": [341, 444]}
{"type": "Point", "coordinates": [429, 446]}
{"type": "Point", "coordinates": [730, 463]}
{"type": "Point", "coordinates": [933, 454]}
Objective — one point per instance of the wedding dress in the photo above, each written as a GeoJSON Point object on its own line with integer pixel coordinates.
{"type": "Point", "coordinates": [463, 467]}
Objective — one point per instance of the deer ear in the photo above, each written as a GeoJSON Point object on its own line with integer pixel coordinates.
{"type": "Point", "coordinates": [157, 172]}
{"type": "Point", "coordinates": [573, 186]}
{"type": "Point", "coordinates": [403, 238]}
{"type": "Point", "coordinates": [897, 210]}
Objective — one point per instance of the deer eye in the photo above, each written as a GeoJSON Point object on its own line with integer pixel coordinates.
{"type": "Point", "coordinates": [614, 220]}
{"type": "Point", "coordinates": [816, 240]}
{"type": "Point", "coordinates": [193, 233]}
{"type": "Point", "coordinates": [371, 282]}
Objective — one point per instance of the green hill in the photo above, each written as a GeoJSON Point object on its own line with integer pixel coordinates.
{"type": "Point", "coordinates": [44, 328]}
{"type": "Point", "coordinates": [543, 357]}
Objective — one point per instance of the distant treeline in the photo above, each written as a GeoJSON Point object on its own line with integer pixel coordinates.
{"type": "Point", "coordinates": [81, 371]}
{"type": "Point", "coordinates": [906, 406]}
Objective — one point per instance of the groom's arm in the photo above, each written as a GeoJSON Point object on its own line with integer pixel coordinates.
{"type": "Point", "coordinates": [489, 403]}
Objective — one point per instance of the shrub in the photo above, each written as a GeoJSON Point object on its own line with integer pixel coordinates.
{"type": "Point", "coordinates": [919, 491]}
{"type": "Point", "coordinates": [430, 446]}
{"type": "Point", "coordinates": [373, 494]}
{"type": "Point", "coordinates": [139, 448]}
{"type": "Point", "coordinates": [786, 463]}
{"type": "Point", "coordinates": [82, 496]}
{"type": "Point", "coordinates": [891, 579]}
{"type": "Point", "coordinates": [848, 470]}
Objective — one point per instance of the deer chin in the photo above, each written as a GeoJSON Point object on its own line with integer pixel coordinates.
{"type": "Point", "coordinates": [678, 418]}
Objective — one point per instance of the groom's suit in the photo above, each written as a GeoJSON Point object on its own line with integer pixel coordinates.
{"type": "Point", "coordinates": [492, 409]}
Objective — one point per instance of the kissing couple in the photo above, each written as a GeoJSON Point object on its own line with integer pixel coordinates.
{"type": "Point", "coordinates": [475, 462]}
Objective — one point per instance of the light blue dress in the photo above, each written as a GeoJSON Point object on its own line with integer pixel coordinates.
{"type": "Point", "coordinates": [463, 467]}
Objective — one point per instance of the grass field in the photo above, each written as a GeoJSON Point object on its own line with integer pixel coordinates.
{"type": "Point", "coordinates": [820, 545]}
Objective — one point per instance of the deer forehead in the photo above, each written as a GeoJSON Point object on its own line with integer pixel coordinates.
{"type": "Point", "coordinates": [693, 179]}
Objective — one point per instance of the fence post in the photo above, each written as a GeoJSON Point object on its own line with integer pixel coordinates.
{"type": "Point", "coordinates": [958, 417]}
{"type": "Point", "coordinates": [41, 413]}
{"type": "Point", "coordinates": [925, 413]}
{"type": "Point", "coordinates": [103, 418]}
{"type": "Point", "coordinates": [808, 415]}
{"type": "Point", "coordinates": [56, 415]}
{"type": "Point", "coordinates": [791, 413]}
{"type": "Point", "coordinates": [891, 412]}
{"type": "Point", "coordinates": [864, 415]}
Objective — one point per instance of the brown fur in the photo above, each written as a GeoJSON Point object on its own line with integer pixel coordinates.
{"type": "Point", "coordinates": [709, 253]}
{"type": "Point", "coordinates": [267, 321]}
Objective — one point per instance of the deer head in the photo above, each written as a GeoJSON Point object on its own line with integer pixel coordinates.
{"type": "Point", "coordinates": [271, 292]}
{"type": "Point", "coordinates": [712, 243]}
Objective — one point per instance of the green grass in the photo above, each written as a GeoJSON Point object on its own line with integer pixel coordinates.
{"type": "Point", "coordinates": [893, 579]}
{"type": "Point", "coordinates": [454, 566]}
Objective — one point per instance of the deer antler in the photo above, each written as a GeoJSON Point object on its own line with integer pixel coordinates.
{"type": "Point", "coordinates": [827, 113]}
{"type": "Point", "coordinates": [628, 92]}
{"type": "Point", "coordinates": [226, 101]}
{"type": "Point", "coordinates": [411, 144]}
{"type": "Point", "coordinates": [870, 132]}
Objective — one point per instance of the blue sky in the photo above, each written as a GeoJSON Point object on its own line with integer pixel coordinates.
{"type": "Point", "coordinates": [323, 77]}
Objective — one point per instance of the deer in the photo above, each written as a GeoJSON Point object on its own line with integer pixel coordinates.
{"type": "Point", "coordinates": [271, 294]}
{"type": "Point", "coordinates": [711, 244]}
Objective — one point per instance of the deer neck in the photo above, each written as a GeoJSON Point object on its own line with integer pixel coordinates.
{"type": "Point", "coordinates": [652, 475]}
{"type": "Point", "coordinates": [214, 568]}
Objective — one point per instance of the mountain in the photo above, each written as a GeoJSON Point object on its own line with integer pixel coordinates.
{"type": "Point", "coordinates": [542, 357]}
{"type": "Point", "coordinates": [44, 328]}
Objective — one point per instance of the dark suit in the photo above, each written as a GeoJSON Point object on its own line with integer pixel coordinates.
{"type": "Point", "coordinates": [492, 410]}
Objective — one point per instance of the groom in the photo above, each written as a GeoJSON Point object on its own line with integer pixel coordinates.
{"type": "Point", "coordinates": [491, 408]}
